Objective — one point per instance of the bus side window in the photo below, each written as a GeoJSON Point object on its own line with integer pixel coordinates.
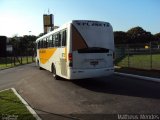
{"type": "Point", "coordinates": [44, 43]}
{"type": "Point", "coordinates": [57, 40]}
{"type": "Point", "coordinates": [41, 43]}
{"type": "Point", "coordinates": [50, 41]}
{"type": "Point", "coordinates": [47, 42]}
{"type": "Point", "coordinates": [53, 40]}
{"type": "Point", "coordinates": [64, 37]}
{"type": "Point", "coordinates": [38, 45]}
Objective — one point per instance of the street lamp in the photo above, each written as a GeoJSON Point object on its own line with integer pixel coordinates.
{"type": "Point", "coordinates": [27, 46]}
{"type": "Point", "coordinates": [30, 33]}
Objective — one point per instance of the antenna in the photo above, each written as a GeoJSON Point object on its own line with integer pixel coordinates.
{"type": "Point", "coordinates": [48, 11]}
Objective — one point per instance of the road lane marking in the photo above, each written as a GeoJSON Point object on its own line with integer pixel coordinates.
{"type": "Point", "coordinates": [139, 77]}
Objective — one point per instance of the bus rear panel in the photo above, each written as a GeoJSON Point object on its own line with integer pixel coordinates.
{"type": "Point", "coordinates": [92, 49]}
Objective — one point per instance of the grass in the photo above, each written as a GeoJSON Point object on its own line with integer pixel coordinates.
{"type": "Point", "coordinates": [9, 62]}
{"type": "Point", "coordinates": [141, 61]}
{"type": "Point", "coordinates": [11, 106]}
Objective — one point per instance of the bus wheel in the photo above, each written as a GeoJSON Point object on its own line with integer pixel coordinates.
{"type": "Point", "coordinates": [56, 77]}
{"type": "Point", "coordinates": [39, 66]}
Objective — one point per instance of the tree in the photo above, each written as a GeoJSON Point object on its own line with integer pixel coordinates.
{"type": "Point", "coordinates": [15, 42]}
{"type": "Point", "coordinates": [139, 35]}
{"type": "Point", "coordinates": [157, 37]}
{"type": "Point", "coordinates": [23, 45]}
{"type": "Point", "coordinates": [28, 43]}
{"type": "Point", "coordinates": [120, 37]}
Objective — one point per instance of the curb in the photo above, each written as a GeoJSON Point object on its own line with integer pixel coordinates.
{"type": "Point", "coordinates": [139, 77]}
{"type": "Point", "coordinates": [4, 90]}
{"type": "Point", "coordinates": [26, 104]}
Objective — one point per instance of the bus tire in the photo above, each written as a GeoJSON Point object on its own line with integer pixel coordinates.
{"type": "Point", "coordinates": [56, 77]}
{"type": "Point", "coordinates": [40, 68]}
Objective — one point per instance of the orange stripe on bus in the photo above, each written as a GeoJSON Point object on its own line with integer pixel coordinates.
{"type": "Point", "coordinates": [45, 54]}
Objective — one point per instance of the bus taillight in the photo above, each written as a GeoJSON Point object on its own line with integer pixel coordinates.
{"type": "Point", "coordinates": [70, 59]}
{"type": "Point", "coordinates": [70, 56]}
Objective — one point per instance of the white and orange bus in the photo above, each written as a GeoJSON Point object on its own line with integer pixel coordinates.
{"type": "Point", "coordinates": [79, 49]}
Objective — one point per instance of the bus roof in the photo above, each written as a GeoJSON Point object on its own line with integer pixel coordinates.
{"type": "Point", "coordinates": [83, 22]}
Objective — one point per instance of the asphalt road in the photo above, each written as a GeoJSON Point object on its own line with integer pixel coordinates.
{"type": "Point", "coordinates": [63, 99]}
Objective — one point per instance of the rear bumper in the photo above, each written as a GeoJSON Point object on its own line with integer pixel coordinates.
{"type": "Point", "coordinates": [89, 73]}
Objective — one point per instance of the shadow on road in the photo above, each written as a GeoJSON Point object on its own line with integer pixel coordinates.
{"type": "Point", "coordinates": [121, 86]}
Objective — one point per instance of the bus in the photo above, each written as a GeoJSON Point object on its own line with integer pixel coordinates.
{"type": "Point", "coordinates": [77, 50]}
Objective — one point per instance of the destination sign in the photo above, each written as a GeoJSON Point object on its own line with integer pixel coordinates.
{"type": "Point", "coordinates": [92, 23]}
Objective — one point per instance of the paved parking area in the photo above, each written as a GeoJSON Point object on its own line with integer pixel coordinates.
{"type": "Point", "coordinates": [66, 99]}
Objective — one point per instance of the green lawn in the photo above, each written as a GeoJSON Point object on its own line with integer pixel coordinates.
{"type": "Point", "coordinates": [9, 62]}
{"type": "Point", "coordinates": [141, 61]}
{"type": "Point", "coordinates": [11, 106]}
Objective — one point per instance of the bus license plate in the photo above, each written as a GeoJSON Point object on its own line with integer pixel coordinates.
{"type": "Point", "coordinates": [94, 63]}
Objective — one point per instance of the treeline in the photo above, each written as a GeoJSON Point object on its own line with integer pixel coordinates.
{"type": "Point", "coordinates": [23, 45]}
{"type": "Point", "coordinates": [136, 35]}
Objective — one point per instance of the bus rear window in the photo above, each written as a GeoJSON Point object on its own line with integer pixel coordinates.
{"type": "Point", "coordinates": [93, 50]}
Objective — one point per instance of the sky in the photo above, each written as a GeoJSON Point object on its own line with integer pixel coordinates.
{"type": "Point", "coordinates": [18, 17]}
